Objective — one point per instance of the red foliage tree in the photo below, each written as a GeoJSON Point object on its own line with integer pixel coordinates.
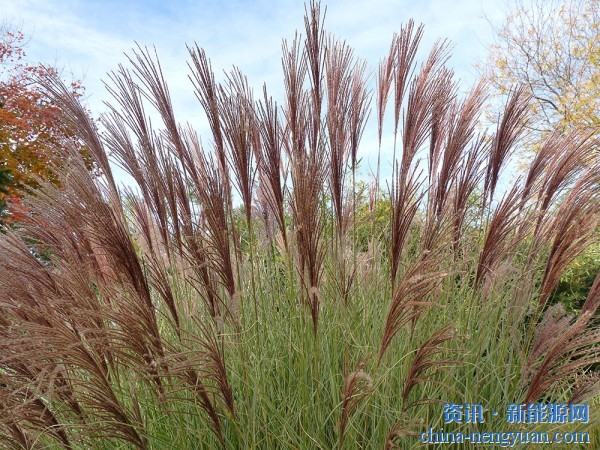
{"type": "Point", "coordinates": [31, 135]}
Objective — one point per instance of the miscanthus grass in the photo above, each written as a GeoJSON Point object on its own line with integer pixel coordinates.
{"type": "Point", "coordinates": [253, 293]}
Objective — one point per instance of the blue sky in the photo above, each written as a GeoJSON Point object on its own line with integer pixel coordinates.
{"type": "Point", "coordinates": [89, 38]}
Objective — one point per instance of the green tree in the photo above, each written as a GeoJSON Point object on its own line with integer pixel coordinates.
{"type": "Point", "coordinates": [5, 183]}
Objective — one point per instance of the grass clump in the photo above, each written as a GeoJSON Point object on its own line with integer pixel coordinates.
{"type": "Point", "coordinates": [322, 313]}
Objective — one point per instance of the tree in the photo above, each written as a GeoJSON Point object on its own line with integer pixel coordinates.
{"type": "Point", "coordinates": [31, 134]}
{"type": "Point", "coordinates": [553, 47]}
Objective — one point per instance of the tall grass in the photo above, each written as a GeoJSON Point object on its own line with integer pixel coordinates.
{"type": "Point", "coordinates": [164, 316]}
